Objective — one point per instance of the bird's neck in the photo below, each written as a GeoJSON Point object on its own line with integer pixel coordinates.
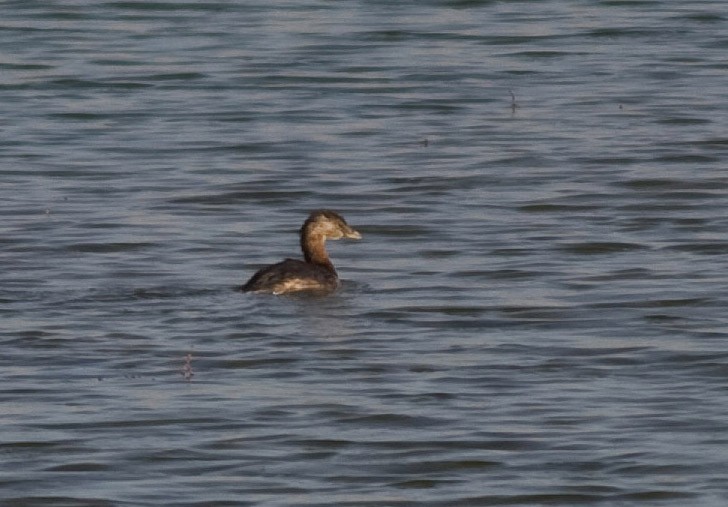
{"type": "Point", "coordinates": [314, 250]}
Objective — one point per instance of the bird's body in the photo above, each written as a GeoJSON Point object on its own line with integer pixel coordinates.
{"type": "Point", "coordinates": [315, 272]}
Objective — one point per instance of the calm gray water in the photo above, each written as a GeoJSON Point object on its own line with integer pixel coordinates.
{"type": "Point", "coordinates": [535, 315]}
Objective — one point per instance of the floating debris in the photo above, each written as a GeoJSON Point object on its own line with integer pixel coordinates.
{"type": "Point", "coordinates": [514, 104]}
{"type": "Point", "coordinates": [186, 371]}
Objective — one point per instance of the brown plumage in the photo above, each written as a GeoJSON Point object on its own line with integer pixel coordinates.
{"type": "Point", "coordinates": [315, 272]}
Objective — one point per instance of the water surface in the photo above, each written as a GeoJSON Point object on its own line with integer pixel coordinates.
{"type": "Point", "coordinates": [533, 317]}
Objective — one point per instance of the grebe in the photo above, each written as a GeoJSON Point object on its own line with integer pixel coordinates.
{"type": "Point", "coordinates": [316, 272]}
